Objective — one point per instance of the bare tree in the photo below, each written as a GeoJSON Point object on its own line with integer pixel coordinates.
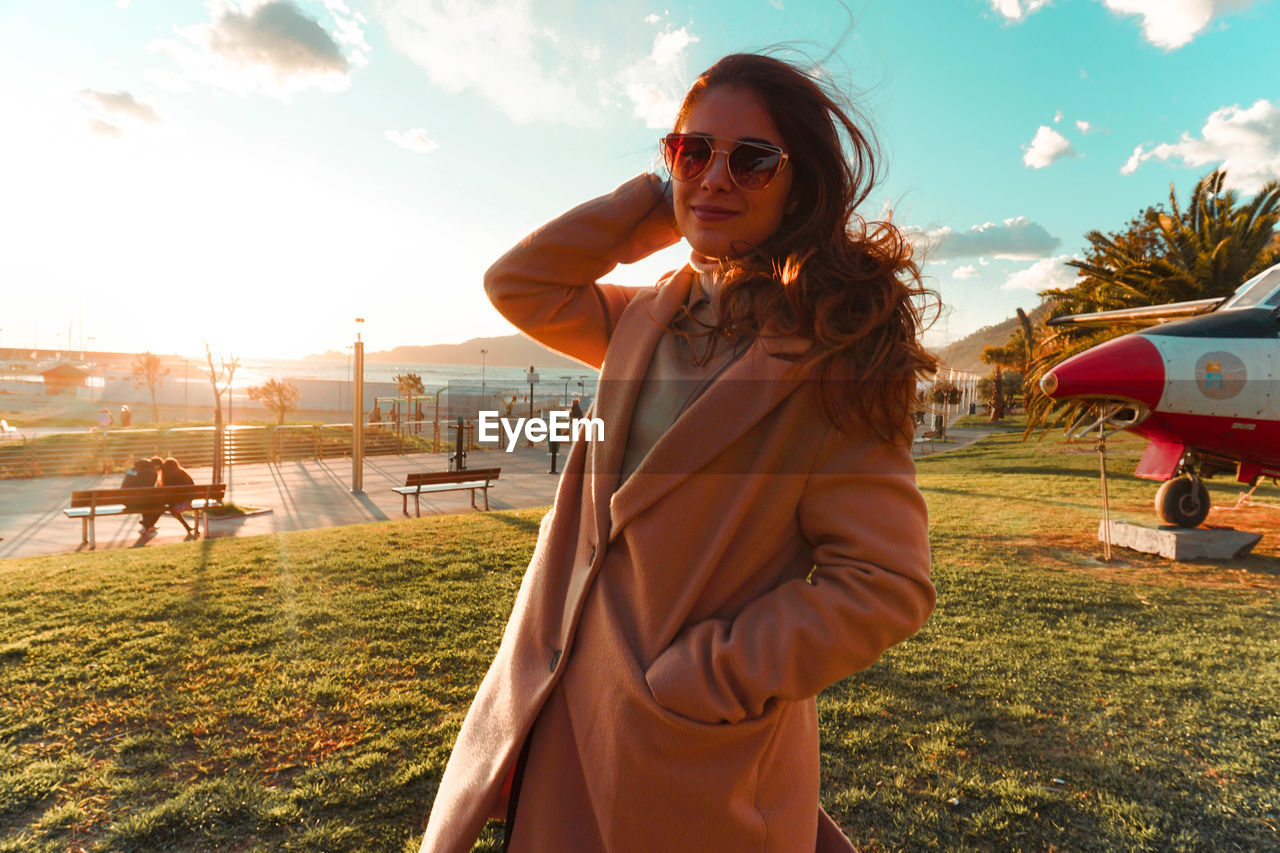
{"type": "Point", "coordinates": [220, 377]}
{"type": "Point", "coordinates": [148, 371]}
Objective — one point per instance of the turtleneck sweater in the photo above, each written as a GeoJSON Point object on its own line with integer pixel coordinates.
{"type": "Point", "coordinates": [685, 362]}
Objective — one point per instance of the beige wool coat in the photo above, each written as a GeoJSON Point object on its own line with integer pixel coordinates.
{"type": "Point", "coordinates": [674, 629]}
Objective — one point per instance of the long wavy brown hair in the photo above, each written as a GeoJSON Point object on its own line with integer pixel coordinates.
{"type": "Point", "coordinates": [851, 286]}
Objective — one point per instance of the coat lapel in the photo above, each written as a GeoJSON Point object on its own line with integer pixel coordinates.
{"type": "Point", "coordinates": [630, 350]}
{"type": "Point", "coordinates": [735, 402]}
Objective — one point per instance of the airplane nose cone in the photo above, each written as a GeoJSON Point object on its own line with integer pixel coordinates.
{"type": "Point", "coordinates": [1124, 368]}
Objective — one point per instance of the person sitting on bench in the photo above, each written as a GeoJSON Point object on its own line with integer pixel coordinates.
{"type": "Point", "coordinates": [142, 474]}
{"type": "Point", "coordinates": [173, 474]}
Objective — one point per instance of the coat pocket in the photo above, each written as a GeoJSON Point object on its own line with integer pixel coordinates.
{"type": "Point", "coordinates": [685, 682]}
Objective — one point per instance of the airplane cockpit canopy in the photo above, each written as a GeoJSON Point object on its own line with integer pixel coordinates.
{"type": "Point", "coordinates": [1261, 291]}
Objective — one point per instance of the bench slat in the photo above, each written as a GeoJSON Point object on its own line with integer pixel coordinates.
{"type": "Point", "coordinates": [431, 477]}
{"type": "Point", "coordinates": [101, 509]}
{"type": "Point", "coordinates": [441, 487]}
{"type": "Point", "coordinates": [165, 494]}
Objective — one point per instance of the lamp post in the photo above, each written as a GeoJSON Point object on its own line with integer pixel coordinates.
{"type": "Point", "coordinates": [357, 417]}
{"type": "Point", "coordinates": [483, 353]}
{"type": "Point", "coordinates": [231, 425]}
{"type": "Point", "coordinates": [101, 370]}
{"type": "Point", "coordinates": [532, 378]}
{"type": "Point", "coordinates": [564, 398]}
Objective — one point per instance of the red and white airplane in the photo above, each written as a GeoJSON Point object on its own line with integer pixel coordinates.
{"type": "Point", "coordinates": [1202, 384]}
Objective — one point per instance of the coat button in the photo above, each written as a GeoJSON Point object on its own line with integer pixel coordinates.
{"type": "Point", "coordinates": [555, 659]}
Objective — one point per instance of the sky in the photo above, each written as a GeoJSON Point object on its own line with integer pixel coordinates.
{"type": "Point", "coordinates": [256, 175]}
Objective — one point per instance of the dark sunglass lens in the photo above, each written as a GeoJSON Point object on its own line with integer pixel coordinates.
{"type": "Point", "coordinates": [754, 166]}
{"type": "Point", "coordinates": [687, 156]}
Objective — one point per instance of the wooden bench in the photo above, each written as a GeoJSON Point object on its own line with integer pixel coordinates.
{"type": "Point", "coordinates": [446, 481]}
{"type": "Point", "coordinates": [89, 504]}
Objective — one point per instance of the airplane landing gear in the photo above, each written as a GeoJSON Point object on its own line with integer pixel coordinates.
{"type": "Point", "coordinates": [1183, 502]}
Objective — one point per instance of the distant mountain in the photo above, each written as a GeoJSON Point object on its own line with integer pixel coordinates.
{"type": "Point", "coordinates": [966, 353]}
{"type": "Point", "coordinates": [505, 351]}
{"type": "Point", "coordinates": [519, 351]}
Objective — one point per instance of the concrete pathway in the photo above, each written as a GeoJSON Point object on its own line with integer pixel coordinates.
{"type": "Point", "coordinates": [957, 437]}
{"type": "Point", "coordinates": [300, 495]}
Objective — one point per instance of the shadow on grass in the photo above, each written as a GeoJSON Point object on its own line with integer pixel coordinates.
{"type": "Point", "coordinates": [1050, 471]}
{"type": "Point", "coordinates": [522, 524]}
{"type": "Point", "coordinates": [1038, 500]}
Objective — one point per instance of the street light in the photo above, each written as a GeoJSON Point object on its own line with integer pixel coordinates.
{"type": "Point", "coordinates": [101, 370]}
{"type": "Point", "coordinates": [357, 416]}
{"type": "Point", "coordinates": [483, 353]}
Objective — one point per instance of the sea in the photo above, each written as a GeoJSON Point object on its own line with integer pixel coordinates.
{"type": "Point", "coordinates": [324, 385]}
{"type": "Point", "coordinates": [255, 371]}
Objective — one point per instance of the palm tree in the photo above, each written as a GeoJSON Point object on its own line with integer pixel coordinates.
{"type": "Point", "coordinates": [1203, 251]}
{"type": "Point", "coordinates": [408, 384]}
{"type": "Point", "coordinates": [1013, 355]}
{"type": "Point", "coordinates": [1216, 245]}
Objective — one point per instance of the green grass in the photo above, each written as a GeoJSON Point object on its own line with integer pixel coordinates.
{"type": "Point", "coordinates": [302, 691]}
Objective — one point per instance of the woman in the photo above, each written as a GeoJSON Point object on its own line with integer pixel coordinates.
{"type": "Point", "coordinates": [173, 474]}
{"type": "Point", "coordinates": [749, 531]}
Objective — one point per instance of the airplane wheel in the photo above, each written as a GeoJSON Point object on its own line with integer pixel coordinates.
{"type": "Point", "coordinates": [1183, 502]}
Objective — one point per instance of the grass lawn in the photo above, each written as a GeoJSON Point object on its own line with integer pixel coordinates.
{"type": "Point", "coordinates": [302, 691]}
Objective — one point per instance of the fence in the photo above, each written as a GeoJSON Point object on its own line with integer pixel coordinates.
{"type": "Point", "coordinates": [111, 451]}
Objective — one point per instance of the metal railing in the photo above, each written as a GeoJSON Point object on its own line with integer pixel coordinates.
{"type": "Point", "coordinates": [112, 451]}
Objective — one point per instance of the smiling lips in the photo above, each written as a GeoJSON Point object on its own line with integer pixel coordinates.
{"type": "Point", "coordinates": [711, 213]}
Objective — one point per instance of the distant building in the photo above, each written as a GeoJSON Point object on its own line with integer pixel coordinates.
{"type": "Point", "coordinates": [64, 379]}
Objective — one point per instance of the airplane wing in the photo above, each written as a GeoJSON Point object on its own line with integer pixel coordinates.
{"type": "Point", "coordinates": [1147, 315]}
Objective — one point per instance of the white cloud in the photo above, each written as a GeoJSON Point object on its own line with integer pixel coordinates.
{"type": "Point", "coordinates": [966, 271]}
{"type": "Point", "coordinates": [349, 31]}
{"type": "Point", "coordinates": [652, 18]}
{"type": "Point", "coordinates": [104, 128]}
{"type": "Point", "coordinates": [1245, 141]}
{"type": "Point", "coordinates": [777, 4]}
{"type": "Point", "coordinates": [1047, 146]}
{"type": "Point", "coordinates": [1016, 10]}
{"type": "Point", "coordinates": [1017, 238]}
{"type": "Point", "coordinates": [413, 140]}
{"type": "Point", "coordinates": [119, 104]}
{"type": "Point", "coordinates": [273, 48]}
{"type": "Point", "coordinates": [1170, 24]}
{"type": "Point", "coordinates": [1042, 275]}
{"type": "Point", "coordinates": [1083, 126]}
{"type": "Point", "coordinates": [494, 49]}
{"type": "Point", "coordinates": [656, 83]}
{"type": "Point", "coordinates": [1057, 117]}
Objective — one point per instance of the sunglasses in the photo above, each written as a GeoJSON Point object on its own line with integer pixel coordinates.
{"type": "Point", "coordinates": [752, 165]}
